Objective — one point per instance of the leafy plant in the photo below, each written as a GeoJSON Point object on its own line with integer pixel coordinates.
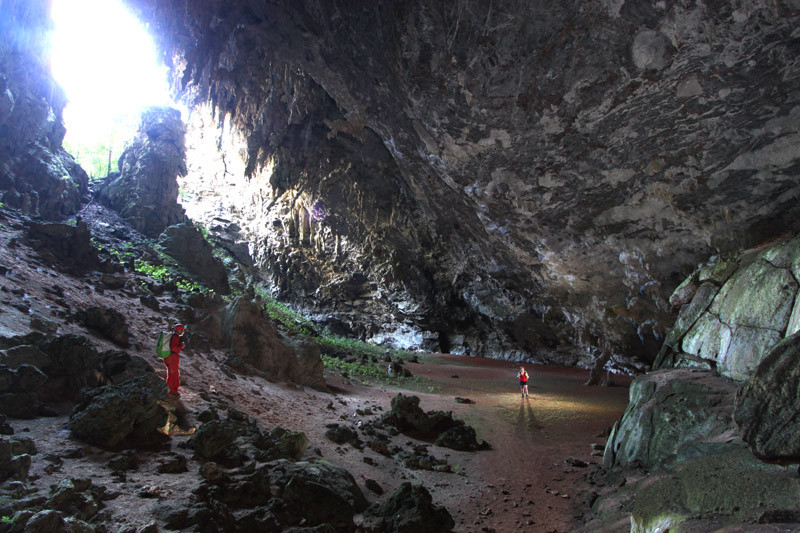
{"type": "Point", "coordinates": [97, 153]}
{"type": "Point", "coordinates": [192, 286]}
{"type": "Point", "coordinates": [288, 317]}
{"type": "Point", "coordinates": [157, 272]}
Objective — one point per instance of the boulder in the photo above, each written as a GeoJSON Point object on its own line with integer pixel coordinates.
{"type": "Point", "coordinates": [64, 245]}
{"type": "Point", "coordinates": [145, 192]}
{"type": "Point", "coordinates": [293, 481]}
{"type": "Point", "coordinates": [461, 437]}
{"type": "Point", "coordinates": [116, 415]}
{"type": "Point", "coordinates": [74, 364]}
{"type": "Point", "coordinates": [767, 409]}
{"type": "Point", "coordinates": [108, 322]}
{"type": "Point", "coordinates": [118, 366]}
{"type": "Point", "coordinates": [26, 353]}
{"type": "Point", "coordinates": [187, 246]}
{"type": "Point", "coordinates": [24, 405]}
{"type": "Point", "coordinates": [76, 497]}
{"type": "Point", "coordinates": [15, 458]}
{"type": "Point", "coordinates": [408, 510]}
{"type": "Point", "coordinates": [280, 494]}
{"type": "Point", "coordinates": [739, 311]}
{"type": "Point", "coordinates": [716, 492]}
{"type": "Point", "coordinates": [670, 415]}
{"type": "Point", "coordinates": [258, 346]}
{"type": "Point", "coordinates": [406, 415]}
{"type": "Point", "coordinates": [230, 442]}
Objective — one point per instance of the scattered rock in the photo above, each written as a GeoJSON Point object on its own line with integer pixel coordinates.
{"type": "Point", "coordinates": [374, 486]}
{"type": "Point", "coordinates": [172, 464]}
{"type": "Point", "coordinates": [108, 322]}
{"type": "Point", "coordinates": [115, 415]}
{"type": "Point", "coordinates": [408, 510]}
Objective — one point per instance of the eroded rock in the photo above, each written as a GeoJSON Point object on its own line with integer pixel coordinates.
{"type": "Point", "coordinates": [146, 190]}
{"type": "Point", "coordinates": [768, 404]}
{"type": "Point", "coordinates": [116, 415]}
{"type": "Point", "coordinates": [408, 510]}
{"type": "Point", "coordinates": [670, 416]}
{"type": "Point", "coordinates": [407, 416]}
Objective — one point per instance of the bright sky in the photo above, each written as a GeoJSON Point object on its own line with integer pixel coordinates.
{"type": "Point", "coordinates": [106, 62]}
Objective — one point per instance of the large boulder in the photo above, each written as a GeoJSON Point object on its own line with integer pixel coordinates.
{"type": "Point", "coordinates": [235, 439]}
{"type": "Point", "coordinates": [18, 388]}
{"type": "Point", "coordinates": [673, 415]}
{"type": "Point", "coordinates": [715, 492]}
{"type": "Point", "coordinates": [735, 311]}
{"type": "Point", "coordinates": [109, 322]}
{"type": "Point", "coordinates": [768, 404]}
{"type": "Point", "coordinates": [257, 345]}
{"type": "Point", "coordinates": [278, 495]}
{"type": "Point", "coordinates": [15, 458]}
{"type": "Point", "coordinates": [145, 192]}
{"type": "Point", "coordinates": [186, 244]}
{"type": "Point", "coordinates": [67, 246]}
{"type": "Point", "coordinates": [440, 426]}
{"type": "Point", "coordinates": [113, 416]}
{"type": "Point", "coordinates": [408, 510]}
{"type": "Point", "coordinates": [73, 364]}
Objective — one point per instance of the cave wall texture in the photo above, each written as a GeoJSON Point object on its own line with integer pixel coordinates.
{"type": "Point", "coordinates": [509, 178]}
{"type": "Point", "coordinates": [37, 175]}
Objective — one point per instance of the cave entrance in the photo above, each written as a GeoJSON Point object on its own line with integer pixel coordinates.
{"type": "Point", "coordinates": [106, 62]}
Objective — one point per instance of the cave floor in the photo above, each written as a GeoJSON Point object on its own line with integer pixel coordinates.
{"type": "Point", "coordinates": [527, 481]}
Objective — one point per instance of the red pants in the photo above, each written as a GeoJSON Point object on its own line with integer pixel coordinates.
{"type": "Point", "coordinates": [173, 375]}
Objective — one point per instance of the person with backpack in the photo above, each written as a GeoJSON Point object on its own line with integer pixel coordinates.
{"type": "Point", "coordinates": [523, 381]}
{"type": "Point", "coordinates": [172, 362]}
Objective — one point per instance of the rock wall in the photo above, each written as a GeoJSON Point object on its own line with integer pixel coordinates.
{"type": "Point", "coordinates": [734, 311]}
{"type": "Point", "coordinates": [513, 179]}
{"type": "Point", "coordinates": [724, 402]}
{"type": "Point", "coordinates": [145, 191]}
{"type": "Point", "coordinates": [36, 175]}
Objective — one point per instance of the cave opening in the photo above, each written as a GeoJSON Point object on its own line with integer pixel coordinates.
{"type": "Point", "coordinates": [106, 62]}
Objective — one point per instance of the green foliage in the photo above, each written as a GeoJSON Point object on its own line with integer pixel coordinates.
{"type": "Point", "coordinates": [157, 272]}
{"type": "Point", "coordinates": [357, 368]}
{"type": "Point", "coordinates": [192, 286]}
{"type": "Point", "coordinates": [7, 519]}
{"type": "Point", "coordinates": [202, 229]}
{"type": "Point", "coordinates": [343, 346]}
{"type": "Point", "coordinates": [99, 152]}
{"type": "Point", "coordinates": [288, 317]}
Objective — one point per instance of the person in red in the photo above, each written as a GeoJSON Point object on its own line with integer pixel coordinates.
{"type": "Point", "coordinates": [523, 381]}
{"type": "Point", "coordinates": [176, 344]}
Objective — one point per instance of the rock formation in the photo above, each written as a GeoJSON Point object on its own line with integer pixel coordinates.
{"type": "Point", "coordinates": [724, 400]}
{"type": "Point", "coordinates": [37, 175]}
{"type": "Point", "coordinates": [509, 179]}
{"type": "Point", "coordinates": [145, 191]}
{"type": "Point", "coordinates": [256, 345]}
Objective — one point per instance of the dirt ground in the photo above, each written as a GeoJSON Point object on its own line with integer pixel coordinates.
{"type": "Point", "coordinates": [523, 483]}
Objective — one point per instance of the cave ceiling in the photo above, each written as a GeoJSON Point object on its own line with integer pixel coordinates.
{"type": "Point", "coordinates": [511, 178]}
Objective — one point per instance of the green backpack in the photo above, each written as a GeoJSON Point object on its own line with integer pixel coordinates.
{"type": "Point", "coordinates": [162, 351]}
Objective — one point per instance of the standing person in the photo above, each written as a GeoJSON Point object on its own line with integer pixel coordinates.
{"type": "Point", "coordinates": [176, 344]}
{"type": "Point", "coordinates": [523, 381]}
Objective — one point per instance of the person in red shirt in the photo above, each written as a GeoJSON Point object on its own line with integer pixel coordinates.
{"type": "Point", "coordinates": [176, 344]}
{"type": "Point", "coordinates": [523, 381]}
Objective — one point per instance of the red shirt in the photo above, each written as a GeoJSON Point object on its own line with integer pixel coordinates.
{"type": "Point", "coordinates": [175, 344]}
